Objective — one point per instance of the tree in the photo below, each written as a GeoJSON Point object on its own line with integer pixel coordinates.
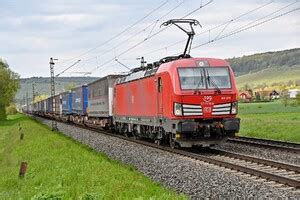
{"type": "Point", "coordinates": [298, 98]}
{"type": "Point", "coordinates": [246, 87]}
{"type": "Point", "coordinates": [285, 97]}
{"type": "Point", "coordinates": [69, 86]}
{"type": "Point", "coordinates": [38, 98]}
{"type": "Point", "coordinates": [9, 84]}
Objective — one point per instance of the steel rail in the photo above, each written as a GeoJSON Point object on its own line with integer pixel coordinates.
{"type": "Point", "coordinates": [287, 146]}
{"type": "Point", "coordinates": [279, 165]}
{"type": "Point", "coordinates": [205, 158]}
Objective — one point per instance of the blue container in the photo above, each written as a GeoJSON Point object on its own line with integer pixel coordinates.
{"type": "Point", "coordinates": [80, 100]}
{"type": "Point", "coordinates": [66, 103]}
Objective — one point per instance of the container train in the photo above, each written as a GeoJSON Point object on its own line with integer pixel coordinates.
{"type": "Point", "coordinates": [182, 100]}
{"type": "Point", "coordinates": [179, 99]}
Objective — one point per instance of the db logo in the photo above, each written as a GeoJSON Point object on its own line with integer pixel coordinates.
{"type": "Point", "coordinates": [207, 109]}
{"type": "Point", "coordinates": [207, 98]}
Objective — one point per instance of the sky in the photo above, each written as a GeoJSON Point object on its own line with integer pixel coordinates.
{"type": "Point", "coordinates": [97, 32]}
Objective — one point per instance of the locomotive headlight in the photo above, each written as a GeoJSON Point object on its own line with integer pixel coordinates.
{"type": "Point", "coordinates": [177, 109]}
{"type": "Point", "coordinates": [234, 108]}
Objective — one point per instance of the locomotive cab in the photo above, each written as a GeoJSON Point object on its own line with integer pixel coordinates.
{"type": "Point", "coordinates": [203, 106]}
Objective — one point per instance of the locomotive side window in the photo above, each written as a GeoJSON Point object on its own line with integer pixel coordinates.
{"type": "Point", "coordinates": [159, 84]}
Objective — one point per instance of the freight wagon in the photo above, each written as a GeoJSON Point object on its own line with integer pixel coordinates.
{"type": "Point", "coordinates": [79, 103]}
{"type": "Point", "coordinates": [100, 101]}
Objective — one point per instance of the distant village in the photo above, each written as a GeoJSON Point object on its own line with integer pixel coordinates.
{"type": "Point", "coordinates": [250, 95]}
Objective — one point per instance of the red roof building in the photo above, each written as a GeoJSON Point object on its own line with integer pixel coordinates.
{"type": "Point", "coordinates": [245, 96]}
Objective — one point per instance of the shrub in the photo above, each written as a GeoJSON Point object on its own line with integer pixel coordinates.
{"type": "Point", "coordinates": [285, 98]}
{"type": "Point", "coordinates": [11, 109]}
{"type": "Point", "coordinates": [298, 98]}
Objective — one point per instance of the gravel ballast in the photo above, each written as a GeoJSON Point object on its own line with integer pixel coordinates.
{"type": "Point", "coordinates": [261, 152]}
{"type": "Point", "coordinates": [194, 178]}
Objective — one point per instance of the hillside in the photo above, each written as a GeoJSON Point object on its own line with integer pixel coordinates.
{"type": "Point", "coordinates": [269, 69]}
{"type": "Point", "coordinates": [257, 62]}
{"type": "Point", "coordinates": [42, 85]}
{"type": "Point", "coordinates": [271, 77]}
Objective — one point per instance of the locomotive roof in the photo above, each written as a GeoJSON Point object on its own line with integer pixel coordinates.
{"type": "Point", "coordinates": [165, 64]}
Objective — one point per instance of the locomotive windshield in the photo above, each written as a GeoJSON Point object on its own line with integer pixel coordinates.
{"type": "Point", "coordinates": [191, 78]}
{"type": "Point", "coordinates": [204, 78]}
{"type": "Point", "coordinates": [217, 77]}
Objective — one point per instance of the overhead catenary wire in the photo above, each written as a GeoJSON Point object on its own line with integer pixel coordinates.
{"type": "Point", "coordinates": [219, 37]}
{"type": "Point", "coordinates": [244, 27]}
{"type": "Point", "coordinates": [266, 16]}
{"type": "Point", "coordinates": [68, 68]}
{"type": "Point", "coordinates": [213, 28]}
{"type": "Point", "coordinates": [151, 36]}
{"type": "Point", "coordinates": [137, 33]}
{"type": "Point", "coordinates": [120, 33]}
{"type": "Point", "coordinates": [248, 27]}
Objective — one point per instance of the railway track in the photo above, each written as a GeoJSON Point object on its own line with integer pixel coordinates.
{"type": "Point", "coordinates": [277, 171]}
{"type": "Point", "coordinates": [282, 173]}
{"type": "Point", "coordinates": [286, 146]}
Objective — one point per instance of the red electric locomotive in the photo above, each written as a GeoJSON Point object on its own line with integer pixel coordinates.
{"type": "Point", "coordinates": [187, 101]}
{"type": "Point", "coordinates": [190, 101]}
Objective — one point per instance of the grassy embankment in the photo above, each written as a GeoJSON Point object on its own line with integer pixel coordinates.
{"type": "Point", "coordinates": [269, 76]}
{"type": "Point", "coordinates": [59, 168]}
{"type": "Point", "coordinates": [270, 121]}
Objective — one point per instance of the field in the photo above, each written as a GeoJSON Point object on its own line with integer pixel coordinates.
{"type": "Point", "coordinates": [60, 168]}
{"type": "Point", "coordinates": [269, 76]}
{"type": "Point", "coordinates": [270, 121]}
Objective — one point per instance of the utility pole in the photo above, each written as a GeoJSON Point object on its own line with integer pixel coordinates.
{"type": "Point", "coordinates": [27, 104]}
{"type": "Point", "coordinates": [54, 123]}
{"type": "Point", "coordinates": [33, 92]}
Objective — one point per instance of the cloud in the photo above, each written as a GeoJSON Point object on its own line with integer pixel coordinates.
{"type": "Point", "coordinates": [32, 31]}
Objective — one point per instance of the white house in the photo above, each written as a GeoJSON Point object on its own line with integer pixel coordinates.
{"type": "Point", "coordinates": [293, 92]}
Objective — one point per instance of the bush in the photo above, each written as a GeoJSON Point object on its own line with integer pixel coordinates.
{"type": "Point", "coordinates": [11, 109]}
{"type": "Point", "coordinates": [298, 98]}
{"type": "Point", "coordinates": [285, 98]}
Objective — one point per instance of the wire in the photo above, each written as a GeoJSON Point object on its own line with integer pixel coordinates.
{"type": "Point", "coordinates": [242, 27]}
{"type": "Point", "coordinates": [67, 68]}
{"type": "Point", "coordinates": [138, 33]}
{"type": "Point", "coordinates": [246, 28]}
{"type": "Point", "coordinates": [120, 33]}
{"type": "Point", "coordinates": [266, 16]}
{"type": "Point", "coordinates": [121, 64]}
{"type": "Point", "coordinates": [209, 30]}
{"type": "Point", "coordinates": [151, 36]}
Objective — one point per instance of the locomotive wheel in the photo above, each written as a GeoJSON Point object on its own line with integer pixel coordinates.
{"type": "Point", "coordinates": [158, 142]}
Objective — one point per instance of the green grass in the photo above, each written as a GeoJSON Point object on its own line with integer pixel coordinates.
{"type": "Point", "coordinates": [270, 121]}
{"type": "Point", "coordinates": [60, 168]}
{"type": "Point", "coordinates": [269, 76]}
